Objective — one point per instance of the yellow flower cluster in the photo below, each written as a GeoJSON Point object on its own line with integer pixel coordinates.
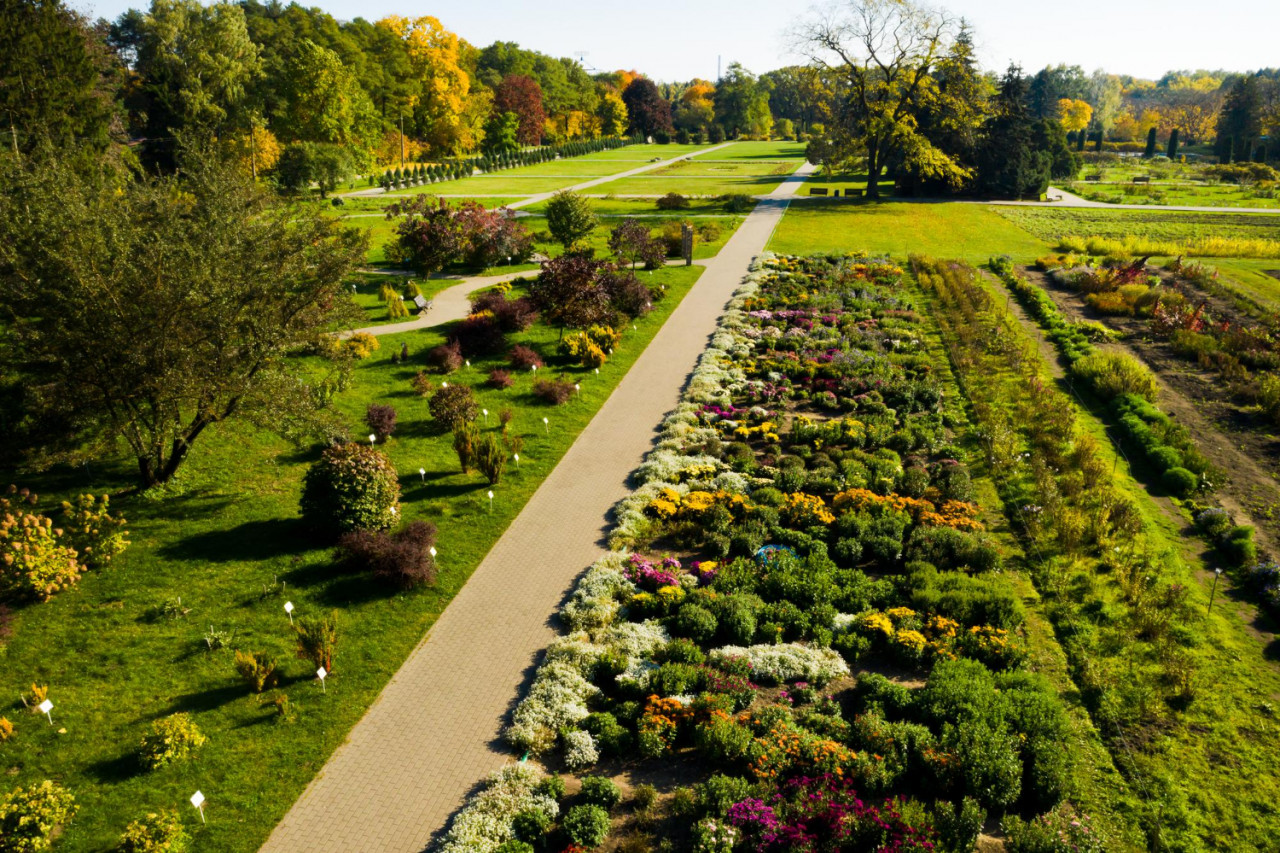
{"type": "Point", "coordinates": [670, 504]}
{"type": "Point", "coordinates": [802, 510]}
{"type": "Point", "coordinates": [958, 514]}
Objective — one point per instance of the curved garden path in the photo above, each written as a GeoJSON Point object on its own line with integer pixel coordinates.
{"type": "Point", "coordinates": [435, 730]}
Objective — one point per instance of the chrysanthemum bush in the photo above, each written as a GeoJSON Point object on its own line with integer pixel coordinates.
{"type": "Point", "coordinates": [486, 821]}
{"type": "Point", "coordinates": [813, 468]}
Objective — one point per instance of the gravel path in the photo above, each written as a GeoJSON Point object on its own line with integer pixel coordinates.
{"type": "Point", "coordinates": [435, 730]}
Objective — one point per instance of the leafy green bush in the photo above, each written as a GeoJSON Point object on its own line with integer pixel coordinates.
{"type": "Point", "coordinates": [1063, 830]}
{"type": "Point", "coordinates": [353, 486]}
{"type": "Point", "coordinates": [1180, 481]}
{"type": "Point", "coordinates": [612, 737]}
{"type": "Point", "coordinates": [28, 817]}
{"type": "Point", "coordinates": [173, 738]}
{"type": "Point", "coordinates": [672, 201]}
{"type": "Point", "coordinates": [600, 791]}
{"type": "Point", "coordinates": [695, 622]}
{"type": "Point", "coordinates": [97, 536]}
{"type": "Point", "coordinates": [1111, 374]}
{"type": "Point", "coordinates": [719, 792]}
{"type": "Point", "coordinates": [586, 825]}
{"type": "Point", "coordinates": [156, 832]}
{"type": "Point", "coordinates": [531, 825]}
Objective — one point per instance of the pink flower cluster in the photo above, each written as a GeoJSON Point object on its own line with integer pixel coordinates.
{"type": "Point", "coordinates": [644, 573]}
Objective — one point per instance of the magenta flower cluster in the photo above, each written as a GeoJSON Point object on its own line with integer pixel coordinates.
{"type": "Point", "coordinates": [644, 573]}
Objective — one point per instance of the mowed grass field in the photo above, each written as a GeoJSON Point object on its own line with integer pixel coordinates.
{"type": "Point", "coordinates": [969, 231]}
{"type": "Point", "coordinates": [222, 549]}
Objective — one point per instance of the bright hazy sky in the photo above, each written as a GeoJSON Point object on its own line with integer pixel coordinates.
{"type": "Point", "coordinates": [680, 39]}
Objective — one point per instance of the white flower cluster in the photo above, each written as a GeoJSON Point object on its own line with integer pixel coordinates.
{"type": "Point", "coordinates": [558, 696]}
{"type": "Point", "coordinates": [787, 662]}
{"type": "Point", "coordinates": [485, 823]}
{"type": "Point", "coordinates": [580, 750]}
{"type": "Point", "coordinates": [595, 600]}
{"type": "Point", "coordinates": [843, 622]}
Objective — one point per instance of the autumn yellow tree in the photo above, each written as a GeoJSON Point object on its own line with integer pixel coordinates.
{"type": "Point", "coordinates": [257, 149]}
{"type": "Point", "coordinates": [437, 95]}
{"type": "Point", "coordinates": [612, 114]}
{"type": "Point", "coordinates": [697, 106]}
{"type": "Point", "coordinates": [1074, 115]}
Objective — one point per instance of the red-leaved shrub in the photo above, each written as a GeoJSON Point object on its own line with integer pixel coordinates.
{"type": "Point", "coordinates": [446, 358]}
{"type": "Point", "coordinates": [522, 357]}
{"type": "Point", "coordinates": [381, 420]}
{"type": "Point", "coordinates": [479, 334]}
{"type": "Point", "coordinates": [402, 558]}
{"type": "Point", "coordinates": [554, 391]}
{"type": "Point", "coordinates": [499, 378]}
{"type": "Point", "coordinates": [453, 406]}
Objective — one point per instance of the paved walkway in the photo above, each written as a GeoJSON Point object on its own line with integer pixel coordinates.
{"type": "Point", "coordinates": [435, 730]}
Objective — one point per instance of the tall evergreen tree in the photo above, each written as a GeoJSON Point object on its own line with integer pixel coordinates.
{"type": "Point", "coordinates": [1240, 122]}
{"type": "Point", "coordinates": [1008, 164]}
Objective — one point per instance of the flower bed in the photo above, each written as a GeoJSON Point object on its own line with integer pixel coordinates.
{"type": "Point", "coordinates": [811, 467]}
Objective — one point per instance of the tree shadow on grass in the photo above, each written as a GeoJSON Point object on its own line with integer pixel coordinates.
{"type": "Point", "coordinates": [205, 700]}
{"type": "Point", "coordinates": [118, 769]}
{"type": "Point", "coordinates": [251, 541]}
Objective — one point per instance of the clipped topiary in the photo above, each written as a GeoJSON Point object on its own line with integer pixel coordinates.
{"type": "Point", "coordinates": [352, 487]}
{"type": "Point", "coordinates": [586, 825]}
{"type": "Point", "coordinates": [600, 791]}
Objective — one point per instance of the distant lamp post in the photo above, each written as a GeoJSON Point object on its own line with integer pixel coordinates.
{"type": "Point", "coordinates": [1217, 573]}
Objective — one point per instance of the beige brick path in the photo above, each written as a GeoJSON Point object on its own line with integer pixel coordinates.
{"type": "Point", "coordinates": [435, 730]}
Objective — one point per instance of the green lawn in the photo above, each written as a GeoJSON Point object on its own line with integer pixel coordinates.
{"type": "Point", "coordinates": [969, 231]}
{"type": "Point", "coordinates": [226, 540]}
{"type": "Point", "coordinates": [726, 168]}
{"type": "Point", "coordinates": [772, 150]}
{"type": "Point", "coordinates": [647, 152]}
{"type": "Point", "coordinates": [1174, 193]}
{"type": "Point", "coordinates": [624, 206]}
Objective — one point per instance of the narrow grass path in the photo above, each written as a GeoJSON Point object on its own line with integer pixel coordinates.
{"type": "Point", "coordinates": [435, 730]}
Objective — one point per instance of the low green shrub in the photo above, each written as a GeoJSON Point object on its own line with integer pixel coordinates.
{"type": "Point", "coordinates": [600, 791]}
{"type": "Point", "coordinates": [1180, 481]}
{"type": "Point", "coordinates": [586, 825]}
{"type": "Point", "coordinates": [172, 739]}
{"type": "Point", "coordinates": [1111, 374]}
{"type": "Point", "coordinates": [155, 832]}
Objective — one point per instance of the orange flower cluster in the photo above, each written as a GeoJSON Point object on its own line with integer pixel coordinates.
{"type": "Point", "coordinates": [958, 514]}
{"type": "Point", "coordinates": [791, 750]}
{"type": "Point", "coordinates": [802, 510]}
{"type": "Point", "coordinates": [662, 719]}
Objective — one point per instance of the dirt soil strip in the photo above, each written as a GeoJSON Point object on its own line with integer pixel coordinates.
{"type": "Point", "coordinates": [435, 731]}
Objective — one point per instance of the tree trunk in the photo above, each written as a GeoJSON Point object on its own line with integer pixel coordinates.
{"type": "Point", "coordinates": [873, 172]}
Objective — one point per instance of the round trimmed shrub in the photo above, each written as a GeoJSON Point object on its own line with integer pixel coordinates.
{"type": "Point", "coordinates": [695, 622]}
{"type": "Point", "coordinates": [452, 406]}
{"type": "Point", "coordinates": [352, 487]}
{"type": "Point", "coordinates": [600, 791]}
{"type": "Point", "coordinates": [531, 825]}
{"type": "Point", "coordinates": [1238, 546]}
{"type": "Point", "coordinates": [172, 739]}
{"type": "Point", "coordinates": [1165, 458]}
{"type": "Point", "coordinates": [1180, 481]}
{"type": "Point", "coordinates": [157, 832]}
{"type": "Point", "coordinates": [586, 825]}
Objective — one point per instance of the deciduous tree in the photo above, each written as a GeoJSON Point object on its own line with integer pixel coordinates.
{"type": "Point", "coordinates": [647, 111]}
{"type": "Point", "coordinates": [143, 310]}
{"type": "Point", "coordinates": [521, 95]}
{"type": "Point", "coordinates": [569, 218]}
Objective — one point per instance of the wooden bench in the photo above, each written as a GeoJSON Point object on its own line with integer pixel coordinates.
{"type": "Point", "coordinates": [817, 190]}
{"type": "Point", "coordinates": [1142, 180]}
{"type": "Point", "coordinates": [423, 303]}
{"type": "Point", "coordinates": [1093, 178]}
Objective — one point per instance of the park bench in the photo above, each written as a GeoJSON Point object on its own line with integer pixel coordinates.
{"type": "Point", "coordinates": [1142, 179]}
{"type": "Point", "coordinates": [817, 190]}
{"type": "Point", "coordinates": [853, 193]}
{"type": "Point", "coordinates": [423, 303]}
{"type": "Point", "coordinates": [1093, 178]}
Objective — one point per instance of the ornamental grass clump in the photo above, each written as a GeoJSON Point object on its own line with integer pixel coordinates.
{"type": "Point", "coordinates": [352, 487]}
{"type": "Point", "coordinates": [172, 739]}
{"type": "Point", "coordinates": [317, 639]}
{"type": "Point", "coordinates": [402, 559]}
{"type": "Point", "coordinates": [257, 669]}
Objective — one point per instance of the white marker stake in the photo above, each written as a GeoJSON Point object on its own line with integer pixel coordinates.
{"type": "Point", "coordinates": [288, 608]}
{"type": "Point", "coordinates": [517, 456]}
{"type": "Point", "coordinates": [491, 500]}
{"type": "Point", "coordinates": [486, 416]}
{"type": "Point", "coordinates": [432, 551]}
{"type": "Point", "coordinates": [320, 674]}
{"type": "Point", "coordinates": [577, 389]}
{"type": "Point", "coordinates": [468, 362]}
{"type": "Point", "coordinates": [197, 800]}
{"type": "Point", "coordinates": [422, 472]}
{"type": "Point", "coordinates": [533, 367]}
{"type": "Point", "coordinates": [45, 707]}
{"type": "Point", "coordinates": [373, 439]}
{"type": "Point", "coordinates": [597, 371]}
{"type": "Point", "coordinates": [546, 426]}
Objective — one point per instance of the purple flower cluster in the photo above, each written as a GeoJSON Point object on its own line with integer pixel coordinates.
{"type": "Point", "coordinates": [644, 573]}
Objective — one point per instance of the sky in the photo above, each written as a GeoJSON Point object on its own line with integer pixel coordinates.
{"type": "Point", "coordinates": [677, 40]}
